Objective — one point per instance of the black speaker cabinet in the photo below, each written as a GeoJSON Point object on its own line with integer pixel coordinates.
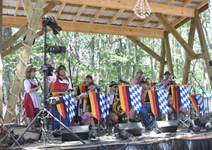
{"type": "Point", "coordinates": [81, 131]}
{"type": "Point", "coordinates": [201, 122]}
{"type": "Point", "coordinates": [167, 126]}
{"type": "Point", "coordinates": [133, 128]}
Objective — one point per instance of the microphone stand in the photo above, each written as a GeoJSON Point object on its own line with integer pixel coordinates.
{"type": "Point", "coordinates": [203, 92]}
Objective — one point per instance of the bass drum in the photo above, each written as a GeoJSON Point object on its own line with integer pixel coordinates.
{"type": "Point", "coordinates": [117, 108]}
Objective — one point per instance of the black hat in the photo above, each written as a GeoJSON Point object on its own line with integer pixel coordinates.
{"type": "Point", "coordinates": [143, 80]}
{"type": "Point", "coordinates": [91, 83]}
{"type": "Point", "coordinates": [166, 73]}
{"type": "Point", "coordinates": [112, 83]}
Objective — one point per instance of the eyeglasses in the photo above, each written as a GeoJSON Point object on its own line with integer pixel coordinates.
{"type": "Point", "coordinates": [168, 74]}
{"type": "Point", "coordinates": [62, 69]}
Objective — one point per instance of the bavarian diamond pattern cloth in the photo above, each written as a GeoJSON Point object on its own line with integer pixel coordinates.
{"type": "Point", "coordinates": [200, 102]}
{"type": "Point", "coordinates": [69, 102]}
{"type": "Point", "coordinates": [162, 99]}
{"type": "Point", "coordinates": [108, 102]}
{"type": "Point", "coordinates": [135, 93]}
{"type": "Point", "coordinates": [102, 104]}
{"type": "Point", "coordinates": [160, 85]}
{"type": "Point", "coordinates": [184, 94]}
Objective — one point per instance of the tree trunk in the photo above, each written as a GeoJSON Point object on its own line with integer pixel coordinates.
{"type": "Point", "coordinates": [204, 76]}
{"type": "Point", "coordinates": [128, 61]}
{"type": "Point", "coordinates": [210, 10]}
{"type": "Point", "coordinates": [6, 80]}
{"type": "Point", "coordinates": [121, 63]}
{"type": "Point", "coordinates": [135, 61]}
{"type": "Point", "coordinates": [98, 60]}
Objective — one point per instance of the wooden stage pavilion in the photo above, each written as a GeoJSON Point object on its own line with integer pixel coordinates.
{"type": "Point", "coordinates": [114, 17]}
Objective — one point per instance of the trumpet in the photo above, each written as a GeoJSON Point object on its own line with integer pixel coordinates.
{"type": "Point", "coordinates": [155, 87]}
{"type": "Point", "coordinates": [172, 78]}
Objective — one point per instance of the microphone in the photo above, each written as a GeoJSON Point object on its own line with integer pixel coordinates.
{"type": "Point", "coordinates": [190, 72]}
{"type": "Point", "coordinates": [64, 74]}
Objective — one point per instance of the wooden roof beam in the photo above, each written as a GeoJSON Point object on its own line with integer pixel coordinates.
{"type": "Point", "coordinates": [168, 2]}
{"type": "Point", "coordinates": [97, 14]}
{"type": "Point", "coordinates": [129, 5]}
{"type": "Point", "coordinates": [79, 13]}
{"type": "Point", "coordinates": [115, 16]}
{"type": "Point", "coordinates": [28, 8]}
{"type": "Point", "coordinates": [147, 49]}
{"type": "Point", "coordinates": [130, 20]}
{"type": "Point", "coordinates": [60, 10]}
{"type": "Point", "coordinates": [16, 9]}
{"type": "Point", "coordinates": [175, 34]}
{"type": "Point", "coordinates": [90, 28]}
{"type": "Point", "coordinates": [24, 26]}
{"type": "Point", "coordinates": [148, 19]}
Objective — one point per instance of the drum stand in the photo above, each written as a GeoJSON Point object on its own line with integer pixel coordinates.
{"type": "Point", "coordinates": [45, 128]}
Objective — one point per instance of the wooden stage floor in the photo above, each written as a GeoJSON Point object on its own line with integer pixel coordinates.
{"type": "Point", "coordinates": [107, 140]}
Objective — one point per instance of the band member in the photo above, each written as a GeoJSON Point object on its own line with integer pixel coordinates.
{"type": "Point", "coordinates": [89, 79]}
{"type": "Point", "coordinates": [166, 80]}
{"type": "Point", "coordinates": [31, 98]}
{"type": "Point", "coordinates": [138, 77]}
{"type": "Point", "coordinates": [113, 98]}
{"type": "Point", "coordinates": [87, 116]}
{"type": "Point", "coordinates": [61, 84]}
{"type": "Point", "coordinates": [146, 107]}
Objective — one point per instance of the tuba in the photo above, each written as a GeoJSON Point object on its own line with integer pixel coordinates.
{"type": "Point", "coordinates": [116, 107]}
{"type": "Point", "coordinates": [85, 107]}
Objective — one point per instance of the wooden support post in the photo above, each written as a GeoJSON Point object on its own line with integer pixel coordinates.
{"type": "Point", "coordinates": [168, 53]}
{"type": "Point", "coordinates": [1, 89]}
{"type": "Point", "coordinates": [28, 8]}
{"type": "Point", "coordinates": [162, 54]}
{"type": "Point", "coordinates": [203, 45]}
{"type": "Point", "coordinates": [175, 34]}
{"type": "Point", "coordinates": [146, 49]}
{"type": "Point", "coordinates": [23, 61]}
{"type": "Point", "coordinates": [188, 61]}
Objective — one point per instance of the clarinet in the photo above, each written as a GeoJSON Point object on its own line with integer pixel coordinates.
{"type": "Point", "coordinates": [39, 82]}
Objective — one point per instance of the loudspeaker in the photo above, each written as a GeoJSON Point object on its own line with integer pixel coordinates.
{"type": "Point", "coordinates": [166, 126]}
{"type": "Point", "coordinates": [133, 128]}
{"type": "Point", "coordinates": [201, 122]}
{"type": "Point", "coordinates": [81, 131]}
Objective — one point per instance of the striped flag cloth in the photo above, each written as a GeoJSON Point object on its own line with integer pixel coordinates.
{"type": "Point", "coordinates": [129, 97]}
{"type": "Point", "coordinates": [61, 107]}
{"type": "Point", "coordinates": [160, 85]}
{"type": "Point", "coordinates": [197, 102]}
{"type": "Point", "coordinates": [69, 102]}
{"type": "Point", "coordinates": [180, 96]}
{"type": "Point", "coordinates": [135, 93]}
{"type": "Point", "coordinates": [95, 104]}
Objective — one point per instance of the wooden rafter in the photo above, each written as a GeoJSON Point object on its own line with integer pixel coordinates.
{"type": "Point", "coordinates": [97, 14]}
{"type": "Point", "coordinates": [146, 20]}
{"type": "Point", "coordinates": [146, 49]}
{"type": "Point", "coordinates": [24, 26]}
{"type": "Point", "coordinates": [60, 10]}
{"type": "Point", "coordinates": [90, 28]}
{"type": "Point", "coordinates": [168, 2]}
{"type": "Point", "coordinates": [16, 9]}
{"type": "Point", "coordinates": [176, 34]}
{"type": "Point", "coordinates": [129, 5]}
{"type": "Point", "coordinates": [130, 20]}
{"type": "Point", "coordinates": [28, 8]}
{"type": "Point", "coordinates": [169, 16]}
{"type": "Point", "coordinates": [79, 13]}
{"type": "Point", "coordinates": [115, 16]}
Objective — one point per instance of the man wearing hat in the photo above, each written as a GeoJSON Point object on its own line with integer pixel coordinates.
{"type": "Point", "coordinates": [166, 80]}
{"type": "Point", "coordinates": [146, 107]}
{"type": "Point", "coordinates": [138, 77]}
{"type": "Point", "coordinates": [89, 79]}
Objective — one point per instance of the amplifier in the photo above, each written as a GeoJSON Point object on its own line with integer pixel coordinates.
{"type": "Point", "coordinates": [81, 131]}
{"type": "Point", "coordinates": [133, 128]}
{"type": "Point", "coordinates": [166, 126]}
{"type": "Point", "coordinates": [201, 122]}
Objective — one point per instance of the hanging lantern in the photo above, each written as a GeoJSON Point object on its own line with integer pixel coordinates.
{"type": "Point", "coordinates": [140, 10]}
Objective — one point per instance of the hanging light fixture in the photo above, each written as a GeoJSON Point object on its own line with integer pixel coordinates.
{"type": "Point", "coordinates": [139, 9]}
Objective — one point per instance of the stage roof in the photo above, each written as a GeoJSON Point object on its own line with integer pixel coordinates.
{"type": "Point", "coordinates": [114, 17]}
